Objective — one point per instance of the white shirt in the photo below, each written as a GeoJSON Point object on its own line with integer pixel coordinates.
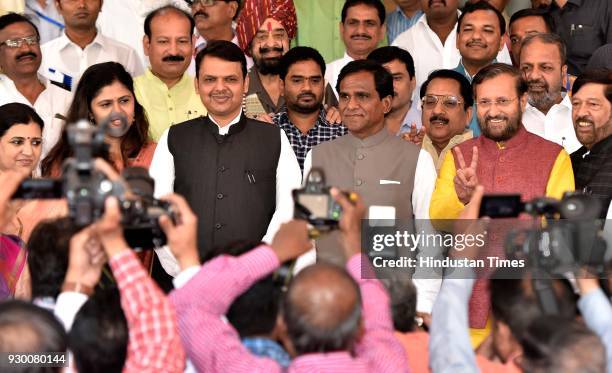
{"type": "Point", "coordinates": [53, 100]}
{"type": "Point", "coordinates": [201, 44]}
{"type": "Point", "coordinates": [288, 177]}
{"type": "Point", "coordinates": [332, 70]}
{"type": "Point", "coordinates": [62, 58]}
{"type": "Point", "coordinates": [556, 126]}
{"type": "Point", "coordinates": [130, 14]}
{"type": "Point", "coordinates": [430, 54]}
{"type": "Point", "coordinates": [47, 19]}
{"type": "Point", "coordinates": [424, 184]}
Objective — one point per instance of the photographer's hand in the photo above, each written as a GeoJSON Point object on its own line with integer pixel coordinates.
{"type": "Point", "coordinates": [291, 240]}
{"type": "Point", "coordinates": [86, 259]}
{"type": "Point", "coordinates": [109, 230]}
{"type": "Point", "coordinates": [182, 237]}
{"type": "Point", "coordinates": [350, 223]}
{"type": "Point", "coordinates": [587, 282]}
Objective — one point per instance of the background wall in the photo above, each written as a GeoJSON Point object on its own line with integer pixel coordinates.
{"type": "Point", "coordinates": [512, 7]}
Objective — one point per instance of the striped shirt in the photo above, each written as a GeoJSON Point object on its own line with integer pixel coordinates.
{"type": "Point", "coordinates": [397, 22]}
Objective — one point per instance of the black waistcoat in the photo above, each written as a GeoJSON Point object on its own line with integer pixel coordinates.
{"type": "Point", "coordinates": [229, 181]}
{"type": "Point", "coordinates": [593, 173]}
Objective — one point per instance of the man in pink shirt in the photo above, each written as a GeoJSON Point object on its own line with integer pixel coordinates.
{"type": "Point", "coordinates": [336, 320]}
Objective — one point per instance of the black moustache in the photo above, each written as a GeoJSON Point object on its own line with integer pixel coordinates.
{"type": "Point", "coordinates": [200, 13]}
{"type": "Point", "coordinates": [584, 119]}
{"type": "Point", "coordinates": [302, 95]}
{"type": "Point", "coordinates": [176, 58]}
{"type": "Point", "coordinates": [28, 54]}
{"type": "Point", "coordinates": [438, 117]}
{"type": "Point", "coordinates": [361, 36]}
{"type": "Point", "coordinates": [495, 118]}
{"type": "Point", "coordinates": [271, 49]}
{"type": "Point", "coordinates": [470, 43]}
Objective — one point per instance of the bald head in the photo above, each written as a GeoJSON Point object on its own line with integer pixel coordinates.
{"type": "Point", "coordinates": [322, 310]}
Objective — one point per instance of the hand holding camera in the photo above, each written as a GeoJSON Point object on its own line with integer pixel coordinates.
{"type": "Point", "coordinates": [182, 232]}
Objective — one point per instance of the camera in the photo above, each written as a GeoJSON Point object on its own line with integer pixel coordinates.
{"type": "Point", "coordinates": [566, 236]}
{"type": "Point", "coordinates": [315, 204]}
{"type": "Point", "coordinates": [566, 232]}
{"type": "Point", "coordinates": [86, 188]}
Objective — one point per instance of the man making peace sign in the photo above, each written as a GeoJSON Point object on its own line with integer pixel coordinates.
{"type": "Point", "coordinates": [505, 159]}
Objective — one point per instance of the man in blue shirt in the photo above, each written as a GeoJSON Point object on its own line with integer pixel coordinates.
{"type": "Point", "coordinates": [405, 15]}
{"type": "Point", "coordinates": [479, 40]}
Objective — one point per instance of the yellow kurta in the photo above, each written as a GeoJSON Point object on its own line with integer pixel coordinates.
{"type": "Point", "coordinates": [446, 205]}
{"type": "Point", "coordinates": [166, 107]}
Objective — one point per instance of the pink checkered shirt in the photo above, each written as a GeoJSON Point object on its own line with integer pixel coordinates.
{"type": "Point", "coordinates": [154, 344]}
{"type": "Point", "coordinates": [214, 346]}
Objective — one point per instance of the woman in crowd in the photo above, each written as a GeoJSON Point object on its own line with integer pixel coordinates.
{"type": "Point", "coordinates": [106, 91]}
{"type": "Point", "coordinates": [20, 147]}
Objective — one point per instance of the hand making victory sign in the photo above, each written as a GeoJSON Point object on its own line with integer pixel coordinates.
{"type": "Point", "coordinates": [466, 178]}
{"type": "Point", "coordinates": [414, 136]}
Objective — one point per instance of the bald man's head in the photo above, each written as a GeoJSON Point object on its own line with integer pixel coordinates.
{"type": "Point", "coordinates": [322, 310]}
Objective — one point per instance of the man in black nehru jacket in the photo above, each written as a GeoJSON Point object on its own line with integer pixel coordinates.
{"type": "Point", "coordinates": [236, 173]}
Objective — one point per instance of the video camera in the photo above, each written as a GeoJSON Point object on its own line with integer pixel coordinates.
{"type": "Point", "coordinates": [567, 236]}
{"type": "Point", "coordinates": [86, 188]}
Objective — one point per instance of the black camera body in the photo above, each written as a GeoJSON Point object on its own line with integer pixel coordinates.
{"type": "Point", "coordinates": [315, 204]}
{"type": "Point", "coordinates": [567, 235]}
{"type": "Point", "coordinates": [86, 189]}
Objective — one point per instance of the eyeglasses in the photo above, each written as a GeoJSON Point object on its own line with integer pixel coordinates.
{"type": "Point", "coordinates": [206, 2]}
{"type": "Point", "coordinates": [486, 103]}
{"type": "Point", "coordinates": [449, 102]}
{"type": "Point", "coordinates": [18, 42]}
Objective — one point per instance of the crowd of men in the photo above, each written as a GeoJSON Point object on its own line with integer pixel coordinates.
{"type": "Point", "coordinates": [412, 110]}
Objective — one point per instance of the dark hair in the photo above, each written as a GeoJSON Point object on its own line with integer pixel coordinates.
{"type": "Point", "coordinates": [596, 76]}
{"type": "Point", "coordinates": [382, 78]}
{"type": "Point", "coordinates": [224, 50]}
{"type": "Point", "coordinates": [11, 18]}
{"type": "Point", "coordinates": [547, 39]}
{"type": "Point", "coordinates": [299, 54]}
{"type": "Point", "coordinates": [376, 4]}
{"type": "Point", "coordinates": [16, 113]}
{"type": "Point", "coordinates": [496, 69]}
{"type": "Point", "coordinates": [161, 11]}
{"type": "Point", "coordinates": [465, 88]}
{"type": "Point", "coordinates": [99, 336]}
{"type": "Point", "coordinates": [482, 5]}
{"type": "Point", "coordinates": [48, 249]}
{"type": "Point", "coordinates": [553, 344]}
{"type": "Point", "coordinates": [529, 12]}
{"type": "Point", "coordinates": [385, 55]}
{"type": "Point", "coordinates": [308, 337]}
{"type": "Point", "coordinates": [25, 327]}
{"type": "Point", "coordinates": [515, 303]}
{"type": "Point", "coordinates": [191, 2]}
{"type": "Point", "coordinates": [255, 311]}
{"type": "Point", "coordinates": [403, 296]}
{"type": "Point", "coordinates": [93, 80]}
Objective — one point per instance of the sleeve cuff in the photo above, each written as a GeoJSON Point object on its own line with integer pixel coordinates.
{"type": "Point", "coordinates": [67, 305]}
{"type": "Point", "coordinates": [184, 276]}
